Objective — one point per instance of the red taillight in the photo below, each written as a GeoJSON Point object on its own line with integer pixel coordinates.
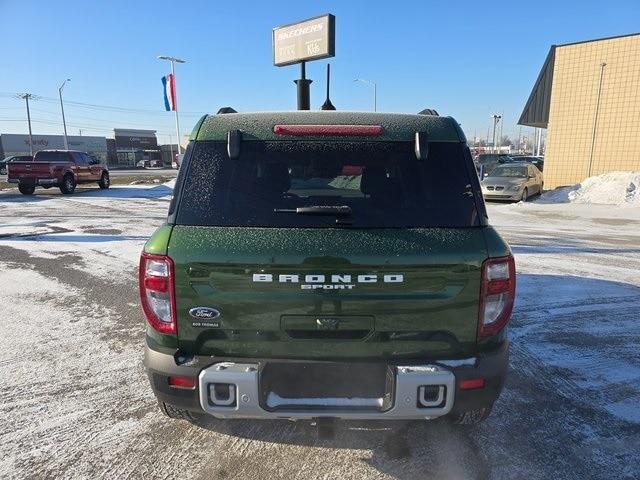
{"type": "Point", "coordinates": [182, 382]}
{"type": "Point", "coordinates": [471, 384]}
{"type": "Point", "coordinates": [329, 130]}
{"type": "Point", "coordinates": [157, 292]}
{"type": "Point", "coordinates": [497, 293]}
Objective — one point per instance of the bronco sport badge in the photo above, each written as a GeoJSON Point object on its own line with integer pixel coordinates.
{"type": "Point", "coordinates": [328, 282]}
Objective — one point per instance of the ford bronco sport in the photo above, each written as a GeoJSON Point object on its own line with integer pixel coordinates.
{"type": "Point", "coordinates": [327, 265]}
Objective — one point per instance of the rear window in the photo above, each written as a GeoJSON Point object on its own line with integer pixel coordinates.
{"type": "Point", "coordinates": [315, 184]}
{"type": "Point", "coordinates": [516, 172]}
{"type": "Point", "coordinates": [51, 157]}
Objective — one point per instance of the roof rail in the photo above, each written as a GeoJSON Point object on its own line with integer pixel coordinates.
{"type": "Point", "coordinates": [428, 111]}
{"type": "Point", "coordinates": [226, 110]}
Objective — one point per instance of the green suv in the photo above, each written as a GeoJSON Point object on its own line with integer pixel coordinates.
{"type": "Point", "coordinates": [327, 265]}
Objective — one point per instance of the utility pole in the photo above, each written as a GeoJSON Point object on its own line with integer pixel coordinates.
{"type": "Point", "coordinates": [64, 123]}
{"type": "Point", "coordinates": [174, 60]}
{"type": "Point", "coordinates": [375, 91]}
{"type": "Point", "coordinates": [26, 97]}
{"type": "Point", "coordinates": [595, 119]}
{"type": "Point", "coordinates": [496, 119]}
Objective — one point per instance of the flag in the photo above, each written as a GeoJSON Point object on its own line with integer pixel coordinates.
{"type": "Point", "coordinates": [169, 85]}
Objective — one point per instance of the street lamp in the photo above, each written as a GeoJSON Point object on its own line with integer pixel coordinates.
{"type": "Point", "coordinates": [174, 60]}
{"type": "Point", "coordinates": [375, 91]}
{"type": "Point", "coordinates": [496, 119]}
{"type": "Point", "coordinates": [64, 123]}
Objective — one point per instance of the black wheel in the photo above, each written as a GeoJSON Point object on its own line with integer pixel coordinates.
{"type": "Point", "coordinates": [104, 181]}
{"type": "Point", "coordinates": [26, 188]}
{"type": "Point", "coordinates": [177, 413]}
{"type": "Point", "coordinates": [470, 417]}
{"type": "Point", "coordinates": [525, 195]}
{"type": "Point", "coordinates": [68, 184]}
{"type": "Point", "coordinates": [3, 171]}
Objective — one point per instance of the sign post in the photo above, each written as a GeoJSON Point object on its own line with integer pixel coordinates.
{"type": "Point", "coordinates": [301, 42]}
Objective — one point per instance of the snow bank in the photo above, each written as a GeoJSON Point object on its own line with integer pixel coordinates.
{"type": "Point", "coordinates": [613, 188]}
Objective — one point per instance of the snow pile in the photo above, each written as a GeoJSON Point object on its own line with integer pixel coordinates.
{"type": "Point", "coordinates": [613, 188]}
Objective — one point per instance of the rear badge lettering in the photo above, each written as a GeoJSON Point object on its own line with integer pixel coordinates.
{"type": "Point", "coordinates": [328, 282]}
{"type": "Point", "coordinates": [205, 324]}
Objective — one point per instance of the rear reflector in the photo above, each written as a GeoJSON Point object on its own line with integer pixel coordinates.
{"type": "Point", "coordinates": [182, 382]}
{"type": "Point", "coordinates": [329, 130]}
{"type": "Point", "coordinates": [471, 384]}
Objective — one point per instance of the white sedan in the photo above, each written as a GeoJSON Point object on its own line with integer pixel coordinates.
{"type": "Point", "coordinates": [512, 181]}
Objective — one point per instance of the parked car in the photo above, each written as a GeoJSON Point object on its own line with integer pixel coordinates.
{"type": "Point", "coordinates": [58, 168]}
{"type": "Point", "coordinates": [514, 181]}
{"type": "Point", "coordinates": [323, 265]}
{"type": "Point", "coordinates": [13, 158]}
{"type": "Point", "coordinates": [485, 162]}
{"type": "Point", "coordinates": [538, 161]}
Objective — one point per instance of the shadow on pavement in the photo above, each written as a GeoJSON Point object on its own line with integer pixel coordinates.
{"type": "Point", "coordinates": [404, 450]}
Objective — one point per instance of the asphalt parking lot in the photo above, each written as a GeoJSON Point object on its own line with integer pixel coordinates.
{"type": "Point", "coordinates": [76, 403]}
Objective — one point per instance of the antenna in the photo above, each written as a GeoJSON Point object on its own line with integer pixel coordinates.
{"type": "Point", "coordinates": [327, 105]}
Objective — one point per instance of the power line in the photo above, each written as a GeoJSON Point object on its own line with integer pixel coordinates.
{"type": "Point", "coordinates": [111, 108]}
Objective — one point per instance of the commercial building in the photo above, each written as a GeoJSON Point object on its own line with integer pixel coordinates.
{"type": "Point", "coordinates": [135, 147]}
{"type": "Point", "coordinates": [18, 144]}
{"type": "Point", "coordinates": [587, 96]}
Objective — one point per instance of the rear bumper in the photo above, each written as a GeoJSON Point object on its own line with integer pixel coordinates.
{"type": "Point", "coordinates": [43, 182]}
{"type": "Point", "coordinates": [404, 404]}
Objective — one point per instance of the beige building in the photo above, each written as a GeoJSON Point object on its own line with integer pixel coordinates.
{"type": "Point", "coordinates": [587, 96]}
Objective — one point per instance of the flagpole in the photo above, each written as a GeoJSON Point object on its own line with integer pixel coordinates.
{"type": "Point", "coordinates": [175, 92]}
{"type": "Point", "coordinates": [176, 109]}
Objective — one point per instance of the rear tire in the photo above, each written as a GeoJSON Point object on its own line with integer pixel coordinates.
{"type": "Point", "coordinates": [104, 181]}
{"type": "Point", "coordinates": [470, 417]}
{"type": "Point", "coordinates": [26, 188]}
{"type": "Point", "coordinates": [68, 184]}
{"type": "Point", "coordinates": [177, 413]}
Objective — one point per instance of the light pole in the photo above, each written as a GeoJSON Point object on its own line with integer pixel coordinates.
{"type": "Point", "coordinates": [174, 60]}
{"type": "Point", "coordinates": [375, 91]}
{"type": "Point", "coordinates": [496, 119]}
{"type": "Point", "coordinates": [64, 123]}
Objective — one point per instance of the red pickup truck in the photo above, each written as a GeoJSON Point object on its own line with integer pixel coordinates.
{"type": "Point", "coordinates": [57, 168]}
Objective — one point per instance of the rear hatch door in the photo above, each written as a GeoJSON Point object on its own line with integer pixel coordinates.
{"type": "Point", "coordinates": [327, 294]}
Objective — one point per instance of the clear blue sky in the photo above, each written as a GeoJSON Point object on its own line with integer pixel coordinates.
{"type": "Point", "coordinates": [467, 59]}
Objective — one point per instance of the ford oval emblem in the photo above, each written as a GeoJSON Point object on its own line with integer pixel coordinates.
{"type": "Point", "coordinates": [204, 313]}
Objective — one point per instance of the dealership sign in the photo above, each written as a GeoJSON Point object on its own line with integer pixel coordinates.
{"type": "Point", "coordinates": [311, 39]}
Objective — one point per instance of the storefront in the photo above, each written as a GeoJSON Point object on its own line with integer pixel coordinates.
{"type": "Point", "coordinates": [136, 148]}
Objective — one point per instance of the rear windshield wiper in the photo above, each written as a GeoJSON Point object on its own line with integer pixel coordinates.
{"type": "Point", "coordinates": [330, 210]}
